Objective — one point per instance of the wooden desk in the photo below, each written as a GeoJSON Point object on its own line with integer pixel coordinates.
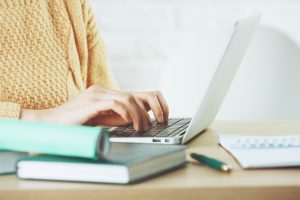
{"type": "Point", "coordinates": [191, 182]}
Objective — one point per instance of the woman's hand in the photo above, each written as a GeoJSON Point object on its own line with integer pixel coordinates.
{"type": "Point", "coordinates": [147, 101]}
{"type": "Point", "coordinates": [155, 102]}
{"type": "Point", "coordinates": [100, 106]}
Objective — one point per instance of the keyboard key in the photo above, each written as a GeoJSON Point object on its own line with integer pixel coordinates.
{"type": "Point", "coordinates": [158, 129]}
{"type": "Point", "coordinates": [137, 134]}
{"type": "Point", "coordinates": [127, 133]}
{"type": "Point", "coordinates": [129, 129]}
{"type": "Point", "coordinates": [173, 127]}
{"type": "Point", "coordinates": [187, 119]}
{"type": "Point", "coordinates": [165, 133]}
{"type": "Point", "coordinates": [122, 134]}
{"type": "Point", "coordinates": [118, 129]}
{"type": "Point", "coordinates": [183, 122]}
{"type": "Point", "coordinates": [178, 131]}
{"type": "Point", "coordinates": [116, 134]}
{"type": "Point", "coordinates": [150, 133]}
{"type": "Point", "coordinates": [173, 121]}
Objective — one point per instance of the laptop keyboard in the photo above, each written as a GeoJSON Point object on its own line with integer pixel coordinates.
{"type": "Point", "coordinates": [170, 129]}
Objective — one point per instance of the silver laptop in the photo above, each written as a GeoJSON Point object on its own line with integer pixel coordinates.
{"type": "Point", "coordinates": [181, 130]}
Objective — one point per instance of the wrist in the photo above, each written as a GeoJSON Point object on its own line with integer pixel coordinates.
{"type": "Point", "coordinates": [32, 115]}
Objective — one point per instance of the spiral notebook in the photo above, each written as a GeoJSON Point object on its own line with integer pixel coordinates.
{"type": "Point", "coordinates": [263, 151]}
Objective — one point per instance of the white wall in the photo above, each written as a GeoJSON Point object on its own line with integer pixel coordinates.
{"type": "Point", "coordinates": [143, 34]}
{"type": "Point", "coordinates": [144, 38]}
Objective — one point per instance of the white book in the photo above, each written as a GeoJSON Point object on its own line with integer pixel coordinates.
{"type": "Point", "coordinates": [263, 151]}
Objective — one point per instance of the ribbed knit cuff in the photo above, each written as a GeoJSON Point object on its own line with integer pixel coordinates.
{"type": "Point", "coordinates": [10, 110]}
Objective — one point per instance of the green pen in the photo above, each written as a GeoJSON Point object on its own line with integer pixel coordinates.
{"type": "Point", "coordinates": [211, 162]}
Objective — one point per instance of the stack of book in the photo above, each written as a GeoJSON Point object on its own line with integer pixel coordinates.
{"type": "Point", "coordinates": [80, 153]}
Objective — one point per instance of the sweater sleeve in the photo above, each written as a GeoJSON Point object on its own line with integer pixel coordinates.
{"type": "Point", "coordinates": [98, 71]}
{"type": "Point", "coordinates": [10, 110]}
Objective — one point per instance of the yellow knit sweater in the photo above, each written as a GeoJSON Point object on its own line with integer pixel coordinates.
{"type": "Point", "coordinates": [50, 50]}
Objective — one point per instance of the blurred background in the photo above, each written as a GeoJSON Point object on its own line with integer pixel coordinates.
{"type": "Point", "coordinates": [175, 46]}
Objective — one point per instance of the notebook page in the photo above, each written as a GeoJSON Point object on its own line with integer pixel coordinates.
{"type": "Point", "coordinates": [263, 151]}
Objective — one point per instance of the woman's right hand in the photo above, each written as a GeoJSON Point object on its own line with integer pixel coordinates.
{"type": "Point", "coordinates": [90, 105]}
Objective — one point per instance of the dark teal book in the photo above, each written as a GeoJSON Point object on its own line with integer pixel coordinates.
{"type": "Point", "coordinates": [126, 163]}
{"type": "Point", "coordinates": [8, 161]}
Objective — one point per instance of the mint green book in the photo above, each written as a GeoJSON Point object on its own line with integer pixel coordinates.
{"type": "Point", "coordinates": [52, 139]}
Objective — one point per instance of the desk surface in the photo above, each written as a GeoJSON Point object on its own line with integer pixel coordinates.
{"type": "Point", "coordinates": [194, 181]}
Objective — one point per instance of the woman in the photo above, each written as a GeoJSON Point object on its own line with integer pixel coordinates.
{"type": "Point", "coordinates": [53, 69]}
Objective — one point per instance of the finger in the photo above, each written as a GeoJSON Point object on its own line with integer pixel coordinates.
{"type": "Point", "coordinates": [95, 109]}
{"type": "Point", "coordinates": [110, 112]}
{"type": "Point", "coordinates": [130, 105]}
{"type": "Point", "coordinates": [147, 121]}
{"type": "Point", "coordinates": [98, 103]}
{"type": "Point", "coordinates": [164, 105]}
{"type": "Point", "coordinates": [154, 104]}
{"type": "Point", "coordinates": [137, 115]}
{"type": "Point", "coordinates": [110, 120]}
{"type": "Point", "coordinates": [116, 107]}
